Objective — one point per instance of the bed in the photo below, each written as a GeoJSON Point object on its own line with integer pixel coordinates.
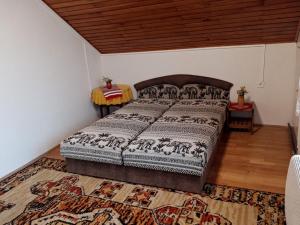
{"type": "Point", "coordinates": [175, 127]}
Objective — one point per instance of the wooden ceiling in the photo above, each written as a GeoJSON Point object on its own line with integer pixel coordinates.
{"type": "Point", "coordinates": [114, 26]}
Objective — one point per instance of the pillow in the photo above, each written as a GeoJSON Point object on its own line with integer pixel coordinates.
{"type": "Point", "coordinates": [188, 91]}
{"type": "Point", "coordinates": [163, 91]}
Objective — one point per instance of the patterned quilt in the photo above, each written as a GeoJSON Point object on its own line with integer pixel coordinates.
{"type": "Point", "coordinates": [181, 140]}
{"type": "Point", "coordinates": [104, 140]}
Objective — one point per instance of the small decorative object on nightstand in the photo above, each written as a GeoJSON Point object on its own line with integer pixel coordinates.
{"type": "Point", "coordinates": [241, 95]}
{"type": "Point", "coordinates": [240, 117]}
{"type": "Point", "coordinates": [108, 81]}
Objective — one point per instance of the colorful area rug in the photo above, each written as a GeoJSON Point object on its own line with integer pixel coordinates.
{"type": "Point", "coordinates": [43, 193]}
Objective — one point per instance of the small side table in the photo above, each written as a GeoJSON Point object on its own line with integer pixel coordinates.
{"type": "Point", "coordinates": [240, 117]}
{"type": "Point", "coordinates": [99, 99]}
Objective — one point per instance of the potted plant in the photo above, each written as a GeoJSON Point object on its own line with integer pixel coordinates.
{"type": "Point", "coordinates": [108, 81]}
{"type": "Point", "coordinates": [241, 95]}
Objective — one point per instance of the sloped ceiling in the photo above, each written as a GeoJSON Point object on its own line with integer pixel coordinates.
{"type": "Point", "coordinates": [114, 26]}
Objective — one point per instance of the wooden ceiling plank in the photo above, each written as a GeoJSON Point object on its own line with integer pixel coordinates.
{"type": "Point", "coordinates": [206, 28]}
{"type": "Point", "coordinates": [233, 35]}
{"type": "Point", "coordinates": [192, 45]}
{"type": "Point", "coordinates": [159, 4]}
{"type": "Point", "coordinates": [148, 18]}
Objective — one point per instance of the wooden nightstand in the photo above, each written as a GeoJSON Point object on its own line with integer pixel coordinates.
{"type": "Point", "coordinates": [240, 117]}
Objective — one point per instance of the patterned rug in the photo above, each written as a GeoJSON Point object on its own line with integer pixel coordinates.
{"type": "Point", "coordinates": [43, 193]}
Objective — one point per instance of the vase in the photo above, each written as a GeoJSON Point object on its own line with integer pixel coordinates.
{"type": "Point", "coordinates": [241, 100]}
{"type": "Point", "coordinates": [108, 85]}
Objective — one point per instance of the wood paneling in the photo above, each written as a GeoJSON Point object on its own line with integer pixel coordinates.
{"type": "Point", "coordinates": [143, 25]}
{"type": "Point", "coordinates": [259, 161]}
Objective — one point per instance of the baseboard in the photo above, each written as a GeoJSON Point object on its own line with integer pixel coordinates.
{"type": "Point", "coordinates": [27, 164]}
{"type": "Point", "coordinates": [293, 139]}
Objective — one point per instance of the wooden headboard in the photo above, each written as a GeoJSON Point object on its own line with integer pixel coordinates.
{"type": "Point", "coordinates": [180, 80]}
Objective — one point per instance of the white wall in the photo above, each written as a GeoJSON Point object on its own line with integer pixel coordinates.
{"type": "Point", "coordinates": [296, 121]}
{"type": "Point", "coordinates": [241, 65]}
{"type": "Point", "coordinates": [44, 82]}
{"type": "Point", "coordinates": [93, 58]}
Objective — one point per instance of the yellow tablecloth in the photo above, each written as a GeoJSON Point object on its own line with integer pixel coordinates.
{"type": "Point", "coordinates": [99, 99]}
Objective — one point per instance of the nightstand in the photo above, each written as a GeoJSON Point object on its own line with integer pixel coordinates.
{"type": "Point", "coordinates": [240, 117]}
{"type": "Point", "coordinates": [99, 100]}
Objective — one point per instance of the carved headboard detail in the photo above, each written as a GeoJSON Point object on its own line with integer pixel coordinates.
{"type": "Point", "coordinates": [184, 86]}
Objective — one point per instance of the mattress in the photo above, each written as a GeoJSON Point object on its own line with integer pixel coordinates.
{"type": "Point", "coordinates": [105, 139]}
{"type": "Point", "coordinates": [181, 140]}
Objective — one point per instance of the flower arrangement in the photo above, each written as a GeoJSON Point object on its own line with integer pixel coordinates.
{"type": "Point", "coordinates": [242, 91]}
{"type": "Point", "coordinates": [108, 81]}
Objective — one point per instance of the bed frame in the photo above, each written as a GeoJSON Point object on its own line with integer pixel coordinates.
{"type": "Point", "coordinates": [183, 182]}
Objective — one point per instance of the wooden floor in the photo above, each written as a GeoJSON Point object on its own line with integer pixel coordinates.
{"type": "Point", "coordinates": [259, 161]}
